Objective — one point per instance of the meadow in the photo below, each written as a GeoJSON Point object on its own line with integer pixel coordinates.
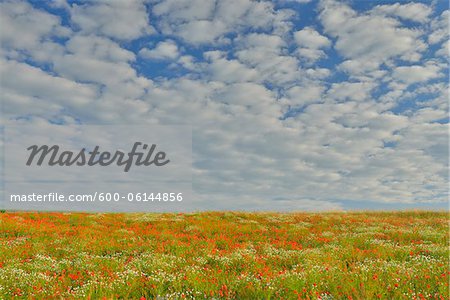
{"type": "Point", "coordinates": [225, 255]}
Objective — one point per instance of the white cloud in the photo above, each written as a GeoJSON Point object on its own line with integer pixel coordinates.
{"type": "Point", "coordinates": [207, 22]}
{"type": "Point", "coordinates": [185, 10]}
{"type": "Point", "coordinates": [444, 51]}
{"type": "Point", "coordinates": [417, 12]}
{"type": "Point", "coordinates": [228, 71]}
{"type": "Point", "coordinates": [310, 55]}
{"type": "Point", "coordinates": [100, 61]}
{"type": "Point", "coordinates": [261, 43]}
{"type": "Point", "coordinates": [309, 41]}
{"type": "Point", "coordinates": [310, 38]}
{"type": "Point", "coordinates": [202, 31]}
{"type": "Point", "coordinates": [301, 95]}
{"type": "Point", "coordinates": [369, 37]}
{"type": "Point", "coordinates": [81, 68]}
{"type": "Point", "coordinates": [358, 91]}
{"type": "Point", "coordinates": [439, 27]}
{"type": "Point", "coordinates": [302, 1]}
{"type": "Point", "coordinates": [92, 46]}
{"type": "Point", "coordinates": [416, 73]}
{"type": "Point", "coordinates": [28, 30]}
{"type": "Point", "coordinates": [357, 66]}
{"type": "Point", "coordinates": [163, 50]}
{"type": "Point", "coordinates": [29, 90]}
{"type": "Point", "coordinates": [116, 19]}
{"type": "Point", "coordinates": [265, 54]}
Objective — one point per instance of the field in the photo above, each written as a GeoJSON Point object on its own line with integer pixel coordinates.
{"type": "Point", "coordinates": [361, 255]}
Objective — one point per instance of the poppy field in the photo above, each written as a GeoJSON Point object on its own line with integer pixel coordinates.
{"type": "Point", "coordinates": [225, 255]}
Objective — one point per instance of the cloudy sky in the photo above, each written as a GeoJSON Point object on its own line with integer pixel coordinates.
{"type": "Point", "coordinates": [293, 104]}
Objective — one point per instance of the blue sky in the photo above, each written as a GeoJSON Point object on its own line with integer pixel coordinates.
{"type": "Point", "coordinates": [294, 105]}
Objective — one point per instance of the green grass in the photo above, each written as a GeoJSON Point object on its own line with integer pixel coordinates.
{"type": "Point", "coordinates": [225, 255]}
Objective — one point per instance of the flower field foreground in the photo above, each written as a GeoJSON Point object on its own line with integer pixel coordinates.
{"type": "Point", "coordinates": [225, 255]}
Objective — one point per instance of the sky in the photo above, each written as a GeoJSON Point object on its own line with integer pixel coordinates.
{"type": "Point", "coordinates": [293, 105]}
